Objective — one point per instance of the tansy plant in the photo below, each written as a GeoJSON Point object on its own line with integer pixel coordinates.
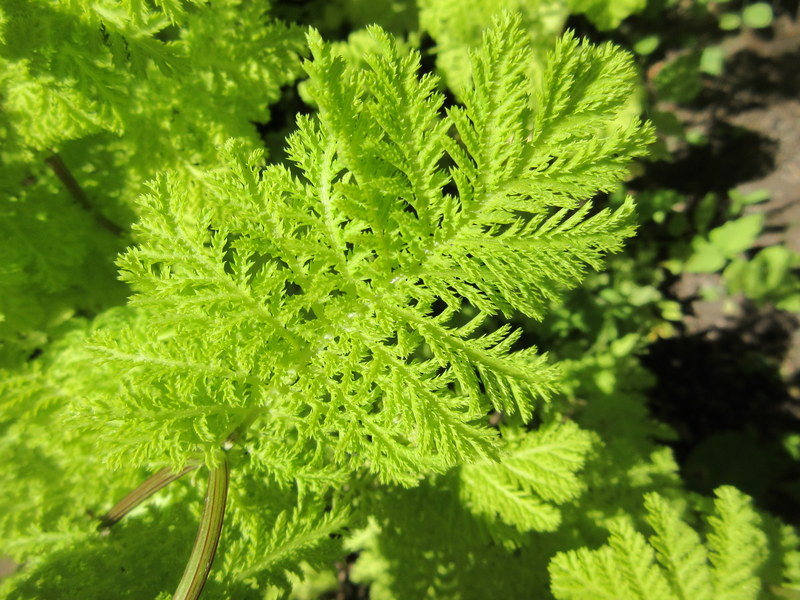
{"type": "Point", "coordinates": [325, 341]}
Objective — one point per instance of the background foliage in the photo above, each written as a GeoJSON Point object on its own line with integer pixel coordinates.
{"type": "Point", "coordinates": [375, 251]}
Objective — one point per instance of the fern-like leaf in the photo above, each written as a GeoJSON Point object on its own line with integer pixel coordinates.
{"type": "Point", "coordinates": [737, 546]}
{"type": "Point", "coordinates": [681, 567]}
{"type": "Point", "coordinates": [680, 551]}
{"type": "Point", "coordinates": [536, 472]}
{"type": "Point", "coordinates": [330, 307]}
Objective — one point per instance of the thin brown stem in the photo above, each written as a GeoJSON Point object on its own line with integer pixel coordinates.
{"type": "Point", "coordinates": [61, 171]}
{"type": "Point", "coordinates": [205, 544]}
{"type": "Point", "coordinates": [149, 487]}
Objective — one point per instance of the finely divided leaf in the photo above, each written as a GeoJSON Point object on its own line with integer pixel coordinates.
{"type": "Point", "coordinates": [680, 551]}
{"type": "Point", "coordinates": [330, 306]}
{"type": "Point", "coordinates": [682, 567]}
{"type": "Point", "coordinates": [536, 471]}
{"type": "Point", "coordinates": [737, 546]}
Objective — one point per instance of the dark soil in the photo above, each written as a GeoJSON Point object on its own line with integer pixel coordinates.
{"type": "Point", "coordinates": [729, 383]}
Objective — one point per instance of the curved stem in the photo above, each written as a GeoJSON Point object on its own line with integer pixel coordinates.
{"type": "Point", "coordinates": [149, 487]}
{"type": "Point", "coordinates": [61, 171]}
{"type": "Point", "coordinates": [205, 544]}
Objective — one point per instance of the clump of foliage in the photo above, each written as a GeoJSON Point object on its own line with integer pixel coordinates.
{"type": "Point", "coordinates": [323, 354]}
{"type": "Point", "coordinates": [97, 98]}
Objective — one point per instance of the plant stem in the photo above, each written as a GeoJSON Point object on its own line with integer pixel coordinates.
{"type": "Point", "coordinates": [205, 544]}
{"type": "Point", "coordinates": [149, 487]}
{"type": "Point", "coordinates": [784, 592]}
{"type": "Point", "coordinates": [61, 171]}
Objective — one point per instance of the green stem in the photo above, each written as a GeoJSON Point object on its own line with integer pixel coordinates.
{"type": "Point", "coordinates": [205, 544]}
{"type": "Point", "coordinates": [784, 592]}
{"type": "Point", "coordinates": [61, 171]}
{"type": "Point", "coordinates": [149, 487]}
